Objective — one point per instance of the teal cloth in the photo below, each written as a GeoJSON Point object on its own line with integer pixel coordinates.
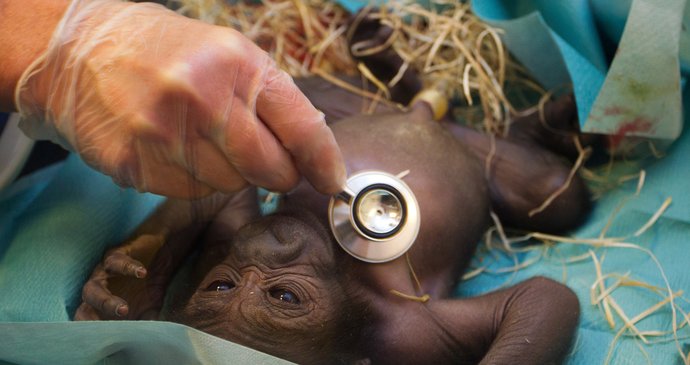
{"type": "Point", "coordinates": [563, 44]}
{"type": "Point", "coordinates": [555, 40]}
{"type": "Point", "coordinates": [54, 227]}
{"type": "Point", "coordinates": [667, 239]}
{"type": "Point", "coordinates": [120, 342]}
{"type": "Point", "coordinates": [55, 224]}
{"type": "Point", "coordinates": [638, 93]}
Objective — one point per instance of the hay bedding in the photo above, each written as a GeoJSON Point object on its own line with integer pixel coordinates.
{"type": "Point", "coordinates": [454, 52]}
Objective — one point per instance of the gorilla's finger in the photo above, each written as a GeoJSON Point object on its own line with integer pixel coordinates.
{"type": "Point", "coordinates": [103, 301]}
{"type": "Point", "coordinates": [118, 263]}
{"type": "Point", "coordinates": [86, 312]}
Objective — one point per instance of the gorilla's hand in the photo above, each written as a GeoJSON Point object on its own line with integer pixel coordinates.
{"type": "Point", "coordinates": [122, 268]}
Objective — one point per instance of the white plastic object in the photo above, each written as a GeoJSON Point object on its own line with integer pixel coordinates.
{"type": "Point", "coordinates": [15, 148]}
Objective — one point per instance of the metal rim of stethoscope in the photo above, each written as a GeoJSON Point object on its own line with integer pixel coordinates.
{"type": "Point", "coordinates": [355, 235]}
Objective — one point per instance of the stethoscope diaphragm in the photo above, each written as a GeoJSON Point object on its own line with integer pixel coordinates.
{"type": "Point", "coordinates": [375, 218]}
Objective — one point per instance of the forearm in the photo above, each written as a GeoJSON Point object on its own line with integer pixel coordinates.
{"type": "Point", "coordinates": [26, 27]}
{"type": "Point", "coordinates": [536, 323]}
{"type": "Point", "coordinates": [530, 323]}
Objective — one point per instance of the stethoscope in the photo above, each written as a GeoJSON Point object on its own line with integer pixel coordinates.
{"type": "Point", "coordinates": [376, 216]}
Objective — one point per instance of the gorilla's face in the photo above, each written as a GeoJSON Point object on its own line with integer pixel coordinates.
{"type": "Point", "coordinates": [276, 291]}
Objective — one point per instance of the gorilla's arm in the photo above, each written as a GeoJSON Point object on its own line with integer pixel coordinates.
{"type": "Point", "coordinates": [130, 282]}
{"type": "Point", "coordinates": [533, 322]}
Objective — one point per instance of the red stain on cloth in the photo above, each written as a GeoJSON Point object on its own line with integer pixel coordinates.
{"type": "Point", "coordinates": [637, 125]}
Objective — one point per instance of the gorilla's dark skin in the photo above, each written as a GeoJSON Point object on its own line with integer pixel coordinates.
{"type": "Point", "coordinates": [282, 285]}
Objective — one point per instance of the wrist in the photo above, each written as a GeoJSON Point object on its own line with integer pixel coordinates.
{"type": "Point", "coordinates": [26, 27]}
{"type": "Point", "coordinates": [46, 83]}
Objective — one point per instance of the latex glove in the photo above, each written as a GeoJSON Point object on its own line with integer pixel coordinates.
{"type": "Point", "coordinates": [173, 105]}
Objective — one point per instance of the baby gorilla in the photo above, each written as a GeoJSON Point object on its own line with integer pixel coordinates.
{"type": "Point", "coordinates": [282, 285]}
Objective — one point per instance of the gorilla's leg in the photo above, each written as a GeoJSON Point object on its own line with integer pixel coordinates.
{"type": "Point", "coordinates": [522, 175]}
{"type": "Point", "coordinates": [555, 128]}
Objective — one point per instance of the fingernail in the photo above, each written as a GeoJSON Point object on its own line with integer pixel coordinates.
{"type": "Point", "coordinates": [140, 272]}
{"type": "Point", "coordinates": [121, 310]}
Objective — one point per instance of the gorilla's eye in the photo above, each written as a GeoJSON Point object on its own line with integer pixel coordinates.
{"type": "Point", "coordinates": [285, 296]}
{"type": "Point", "coordinates": [220, 285]}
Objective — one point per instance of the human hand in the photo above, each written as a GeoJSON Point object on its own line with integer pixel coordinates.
{"type": "Point", "coordinates": [174, 106]}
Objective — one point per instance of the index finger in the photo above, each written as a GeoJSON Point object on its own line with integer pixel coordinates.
{"type": "Point", "coordinates": [302, 130]}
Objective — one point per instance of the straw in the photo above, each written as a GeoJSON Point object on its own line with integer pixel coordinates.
{"type": "Point", "coordinates": [301, 35]}
{"type": "Point", "coordinates": [583, 154]}
{"type": "Point", "coordinates": [447, 46]}
{"type": "Point", "coordinates": [455, 53]}
{"type": "Point", "coordinates": [602, 294]}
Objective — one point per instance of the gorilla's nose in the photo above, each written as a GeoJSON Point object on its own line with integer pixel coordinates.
{"type": "Point", "coordinates": [274, 243]}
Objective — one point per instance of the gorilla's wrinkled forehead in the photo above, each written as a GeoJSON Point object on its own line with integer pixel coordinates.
{"type": "Point", "coordinates": [294, 220]}
{"type": "Point", "coordinates": [291, 233]}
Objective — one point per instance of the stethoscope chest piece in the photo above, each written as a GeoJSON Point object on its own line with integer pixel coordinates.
{"type": "Point", "coordinates": [376, 218]}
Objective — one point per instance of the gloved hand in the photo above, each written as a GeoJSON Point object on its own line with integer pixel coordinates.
{"type": "Point", "coordinates": [172, 105]}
